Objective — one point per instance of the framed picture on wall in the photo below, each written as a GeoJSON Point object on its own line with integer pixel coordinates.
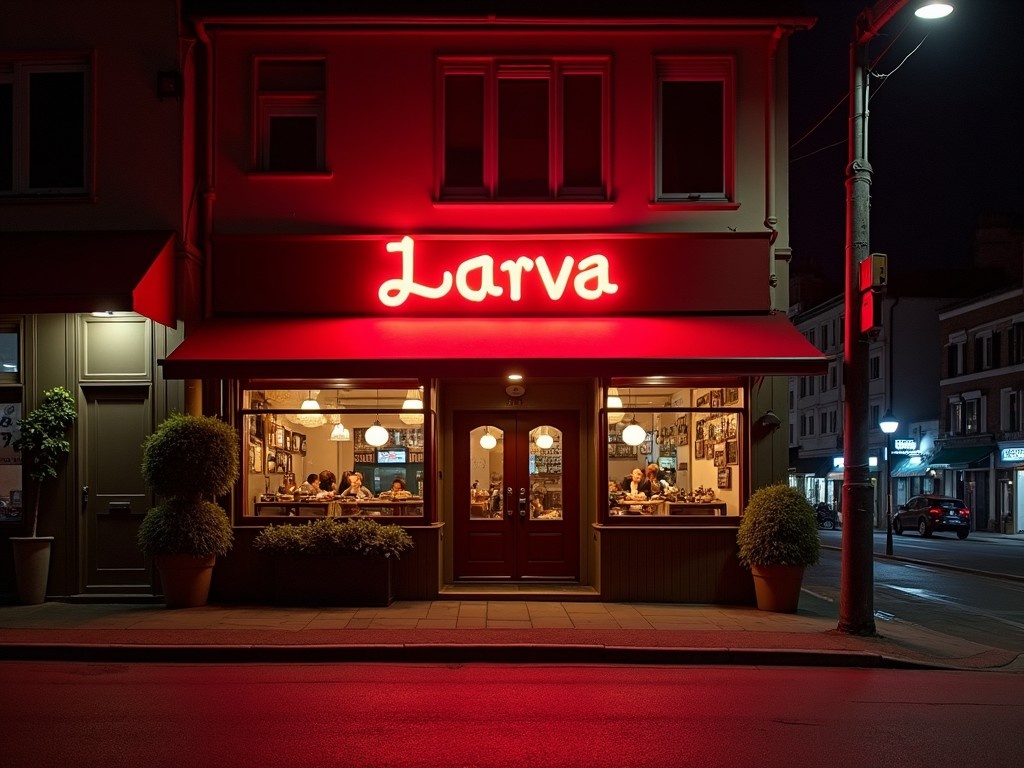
{"type": "Point", "coordinates": [716, 398]}
{"type": "Point", "coordinates": [698, 449]}
{"type": "Point", "coordinates": [280, 441]}
{"type": "Point", "coordinates": [255, 455]}
{"type": "Point", "coordinates": [725, 477]}
{"type": "Point", "coordinates": [732, 395]}
{"type": "Point", "coordinates": [732, 452]}
{"type": "Point", "coordinates": [719, 454]}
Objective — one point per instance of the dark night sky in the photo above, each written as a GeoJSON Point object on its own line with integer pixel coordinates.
{"type": "Point", "coordinates": [946, 133]}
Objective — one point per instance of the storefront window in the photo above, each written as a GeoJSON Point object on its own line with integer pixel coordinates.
{"type": "Point", "coordinates": [303, 445]}
{"type": "Point", "coordinates": [10, 413]}
{"type": "Point", "coordinates": [674, 451]}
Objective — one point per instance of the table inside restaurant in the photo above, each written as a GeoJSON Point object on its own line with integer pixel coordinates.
{"type": "Point", "coordinates": [336, 508]}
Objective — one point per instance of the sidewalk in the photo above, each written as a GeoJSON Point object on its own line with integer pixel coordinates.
{"type": "Point", "coordinates": [451, 631]}
{"type": "Point", "coordinates": [485, 630]}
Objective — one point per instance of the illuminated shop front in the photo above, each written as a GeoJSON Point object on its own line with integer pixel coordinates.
{"type": "Point", "coordinates": [513, 435]}
{"type": "Point", "coordinates": [557, 231]}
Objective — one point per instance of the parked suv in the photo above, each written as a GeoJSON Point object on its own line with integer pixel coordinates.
{"type": "Point", "coordinates": [930, 513]}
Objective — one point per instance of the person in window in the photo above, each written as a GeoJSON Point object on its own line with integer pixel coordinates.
{"type": "Point", "coordinates": [312, 485]}
{"type": "Point", "coordinates": [656, 485]}
{"type": "Point", "coordinates": [356, 489]}
{"type": "Point", "coordinates": [637, 483]}
{"type": "Point", "coordinates": [328, 481]}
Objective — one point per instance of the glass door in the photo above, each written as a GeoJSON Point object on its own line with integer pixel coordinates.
{"type": "Point", "coordinates": [516, 513]}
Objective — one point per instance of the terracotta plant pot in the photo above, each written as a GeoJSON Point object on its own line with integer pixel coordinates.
{"type": "Point", "coordinates": [32, 567]}
{"type": "Point", "coordinates": [777, 587]}
{"type": "Point", "coordinates": [185, 579]}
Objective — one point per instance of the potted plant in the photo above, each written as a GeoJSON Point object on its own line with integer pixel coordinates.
{"type": "Point", "coordinates": [188, 462]}
{"type": "Point", "coordinates": [42, 439]}
{"type": "Point", "coordinates": [778, 539]}
{"type": "Point", "coordinates": [341, 562]}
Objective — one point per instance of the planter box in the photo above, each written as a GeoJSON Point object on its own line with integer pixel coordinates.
{"type": "Point", "coordinates": [338, 581]}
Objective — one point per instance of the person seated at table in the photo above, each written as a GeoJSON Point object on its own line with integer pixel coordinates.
{"type": "Point", "coordinates": [637, 483]}
{"type": "Point", "coordinates": [328, 481]}
{"type": "Point", "coordinates": [312, 484]}
{"type": "Point", "coordinates": [343, 482]}
{"type": "Point", "coordinates": [356, 489]}
{"type": "Point", "coordinates": [653, 472]}
{"type": "Point", "coordinates": [398, 484]}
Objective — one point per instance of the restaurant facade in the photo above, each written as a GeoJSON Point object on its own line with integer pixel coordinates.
{"type": "Point", "coordinates": [505, 258]}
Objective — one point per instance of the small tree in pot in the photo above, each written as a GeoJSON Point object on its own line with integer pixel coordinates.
{"type": "Point", "coordinates": [778, 539]}
{"type": "Point", "coordinates": [43, 441]}
{"type": "Point", "coordinates": [188, 461]}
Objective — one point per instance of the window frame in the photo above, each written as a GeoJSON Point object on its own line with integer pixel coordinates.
{"type": "Point", "coordinates": [269, 104]}
{"type": "Point", "coordinates": [711, 68]}
{"type": "Point", "coordinates": [554, 69]}
{"type": "Point", "coordinates": [17, 73]}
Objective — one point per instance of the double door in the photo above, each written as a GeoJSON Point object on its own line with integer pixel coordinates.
{"type": "Point", "coordinates": [516, 506]}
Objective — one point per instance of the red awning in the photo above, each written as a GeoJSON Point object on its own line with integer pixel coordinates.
{"type": "Point", "coordinates": [483, 347]}
{"type": "Point", "coordinates": [90, 271]}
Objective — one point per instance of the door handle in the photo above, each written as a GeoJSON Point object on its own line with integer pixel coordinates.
{"type": "Point", "coordinates": [523, 502]}
{"type": "Point", "coordinates": [508, 502]}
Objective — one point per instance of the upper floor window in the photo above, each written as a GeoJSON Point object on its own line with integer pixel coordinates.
{"type": "Point", "coordinates": [874, 367]}
{"type": "Point", "coordinates": [986, 351]}
{"type": "Point", "coordinates": [289, 115]}
{"type": "Point", "coordinates": [1016, 344]}
{"type": "Point", "coordinates": [1010, 412]}
{"type": "Point", "coordinates": [955, 357]}
{"type": "Point", "coordinates": [973, 416]}
{"type": "Point", "coordinates": [44, 127]}
{"type": "Point", "coordinates": [694, 140]}
{"type": "Point", "coordinates": [524, 129]}
{"type": "Point", "coordinates": [824, 338]}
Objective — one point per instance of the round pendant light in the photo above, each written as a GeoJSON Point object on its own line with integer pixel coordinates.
{"type": "Point", "coordinates": [543, 439]}
{"type": "Point", "coordinates": [633, 434]}
{"type": "Point", "coordinates": [487, 440]}
{"type": "Point", "coordinates": [376, 435]}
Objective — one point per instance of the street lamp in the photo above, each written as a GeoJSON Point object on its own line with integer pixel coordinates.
{"type": "Point", "coordinates": [888, 425]}
{"type": "Point", "coordinates": [856, 597]}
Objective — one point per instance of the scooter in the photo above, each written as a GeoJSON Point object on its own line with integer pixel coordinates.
{"type": "Point", "coordinates": [826, 516]}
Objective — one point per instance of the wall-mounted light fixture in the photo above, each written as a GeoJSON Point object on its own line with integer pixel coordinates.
{"type": "Point", "coordinates": [770, 421]}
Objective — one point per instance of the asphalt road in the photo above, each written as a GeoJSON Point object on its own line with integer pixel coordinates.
{"type": "Point", "coordinates": [943, 588]}
{"type": "Point", "coordinates": [504, 716]}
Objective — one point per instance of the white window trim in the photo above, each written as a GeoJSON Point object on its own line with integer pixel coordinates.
{"type": "Point", "coordinates": [699, 69]}
{"type": "Point", "coordinates": [17, 74]}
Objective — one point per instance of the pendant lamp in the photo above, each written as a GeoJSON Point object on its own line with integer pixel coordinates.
{"type": "Point", "coordinates": [376, 435]}
{"type": "Point", "coordinates": [412, 408]}
{"type": "Point", "coordinates": [614, 402]}
{"type": "Point", "coordinates": [487, 440]}
{"type": "Point", "coordinates": [543, 439]}
{"type": "Point", "coordinates": [311, 420]}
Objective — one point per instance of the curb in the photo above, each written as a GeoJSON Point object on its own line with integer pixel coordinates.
{"type": "Point", "coordinates": [455, 653]}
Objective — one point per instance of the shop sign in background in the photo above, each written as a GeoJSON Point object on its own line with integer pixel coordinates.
{"type": "Point", "coordinates": [10, 463]}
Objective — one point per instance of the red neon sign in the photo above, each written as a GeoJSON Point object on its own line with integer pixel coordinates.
{"type": "Point", "coordinates": [476, 280]}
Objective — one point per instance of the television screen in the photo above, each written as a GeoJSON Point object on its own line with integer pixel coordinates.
{"type": "Point", "coordinates": [391, 457]}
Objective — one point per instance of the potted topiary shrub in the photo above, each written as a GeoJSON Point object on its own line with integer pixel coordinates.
{"type": "Point", "coordinates": [335, 561]}
{"type": "Point", "coordinates": [42, 439]}
{"type": "Point", "coordinates": [778, 539]}
{"type": "Point", "coordinates": [188, 462]}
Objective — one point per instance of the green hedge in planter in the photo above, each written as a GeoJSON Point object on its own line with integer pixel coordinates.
{"type": "Point", "coordinates": [330, 537]}
{"type": "Point", "coordinates": [779, 527]}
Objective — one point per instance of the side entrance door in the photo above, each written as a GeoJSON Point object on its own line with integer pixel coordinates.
{"type": "Point", "coordinates": [516, 510]}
